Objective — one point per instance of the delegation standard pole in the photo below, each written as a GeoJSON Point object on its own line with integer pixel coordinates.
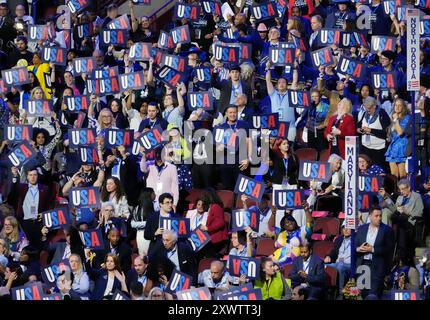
{"type": "Point", "coordinates": [412, 169]}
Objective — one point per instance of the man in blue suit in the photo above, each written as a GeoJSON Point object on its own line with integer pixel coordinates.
{"type": "Point", "coordinates": [308, 270]}
{"type": "Point", "coordinates": [374, 243]}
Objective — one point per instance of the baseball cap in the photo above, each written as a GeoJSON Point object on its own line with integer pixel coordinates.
{"type": "Point", "coordinates": [262, 27]}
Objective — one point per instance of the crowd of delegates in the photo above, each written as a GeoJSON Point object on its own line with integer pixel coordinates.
{"type": "Point", "coordinates": [137, 189]}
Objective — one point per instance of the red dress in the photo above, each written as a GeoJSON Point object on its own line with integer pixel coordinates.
{"type": "Point", "coordinates": [216, 225]}
{"type": "Point", "coordinates": [346, 127]}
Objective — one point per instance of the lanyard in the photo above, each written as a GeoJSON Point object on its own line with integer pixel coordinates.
{"type": "Point", "coordinates": [235, 125]}
{"type": "Point", "coordinates": [281, 98]}
{"type": "Point", "coordinates": [286, 164]}
{"type": "Point", "coordinates": [33, 195]}
{"type": "Point", "coordinates": [198, 221]}
{"type": "Point", "coordinates": [405, 201]}
{"type": "Point", "coordinates": [153, 123]}
{"type": "Point", "coordinates": [346, 247]}
{"type": "Point", "coordinates": [160, 171]}
{"type": "Point", "coordinates": [306, 270]}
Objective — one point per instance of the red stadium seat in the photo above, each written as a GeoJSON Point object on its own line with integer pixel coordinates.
{"type": "Point", "coordinates": [227, 198]}
{"type": "Point", "coordinates": [329, 226]}
{"type": "Point", "coordinates": [331, 281]}
{"type": "Point", "coordinates": [322, 248]}
{"type": "Point", "coordinates": [309, 154]}
{"type": "Point", "coordinates": [287, 270]}
{"type": "Point", "coordinates": [205, 264]}
{"type": "Point", "coordinates": [265, 247]}
{"type": "Point", "coordinates": [324, 155]}
{"type": "Point", "coordinates": [194, 195]}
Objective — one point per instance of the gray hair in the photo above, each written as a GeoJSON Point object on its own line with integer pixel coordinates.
{"type": "Point", "coordinates": [172, 233]}
{"type": "Point", "coordinates": [369, 100]}
{"type": "Point", "coordinates": [404, 182]}
{"type": "Point", "coordinates": [247, 70]}
{"type": "Point", "coordinates": [218, 263]}
{"type": "Point", "coordinates": [108, 204]}
{"type": "Point", "coordinates": [334, 157]}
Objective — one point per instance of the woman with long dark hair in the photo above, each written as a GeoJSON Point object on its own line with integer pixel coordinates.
{"type": "Point", "coordinates": [271, 282]}
{"type": "Point", "coordinates": [139, 216]}
{"type": "Point", "coordinates": [112, 191]}
{"type": "Point", "coordinates": [115, 106]}
{"type": "Point", "coordinates": [215, 223]}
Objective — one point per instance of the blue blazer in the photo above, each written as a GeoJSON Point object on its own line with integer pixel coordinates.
{"type": "Point", "coordinates": [316, 272]}
{"type": "Point", "coordinates": [101, 277]}
{"type": "Point", "coordinates": [383, 247]}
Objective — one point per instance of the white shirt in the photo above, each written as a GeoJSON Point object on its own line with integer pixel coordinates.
{"type": "Point", "coordinates": [306, 265]}
{"type": "Point", "coordinates": [345, 251]}
{"type": "Point", "coordinates": [372, 233]}
{"type": "Point", "coordinates": [173, 256]}
{"type": "Point", "coordinates": [31, 202]}
{"type": "Point", "coordinates": [195, 219]}
{"type": "Point", "coordinates": [109, 286]}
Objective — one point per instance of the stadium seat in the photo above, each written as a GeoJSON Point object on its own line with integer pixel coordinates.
{"type": "Point", "coordinates": [194, 195]}
{"type": "Point", "coordinates": [265, 247]}
{"type": "Point", "coordinates": [329, 226]}
{"type": "Point", "coordinates": [322, 248]}
{"type": "Point", "coordinates": [331, 281]}
{"type": "Point", "coordinates": [287, 270]}
{"type": "Point", "coordinates": [324, 155]}
{"type": "Point", "coordinates": [227, 198]}
{"type": "Point", "coordinates": [205, 264]}
{"type": "Point", "coordinates": [307, 154]}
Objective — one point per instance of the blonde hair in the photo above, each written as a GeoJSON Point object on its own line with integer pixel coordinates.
{"type": "Point", "coordinates": [6, 248]}
{"type": "Point", "coordinates": [14, 236]}
{"type": "Point", "coordinates": [404, 107]}
{"type": "Point", "coordinates": [33, 92]}
{"type": "Point", "coordinates": [348, 105]}
{"type": "Point", "coordinates": [79, 262]}
{"type": "Point", "coordinates": [99, 119]}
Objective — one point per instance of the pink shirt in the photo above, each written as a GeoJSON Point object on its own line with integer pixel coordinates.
{"type": "Point", "coordinates": [164, 181]}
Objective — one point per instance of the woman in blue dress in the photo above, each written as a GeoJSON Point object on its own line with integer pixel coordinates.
{"type": "Point", "coordinates": [399, 147]}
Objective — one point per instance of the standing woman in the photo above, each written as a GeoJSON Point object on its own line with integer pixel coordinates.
{"type": "Point", "coordinates": [271, 282]}
{"type": "Point", "coordinates": [42, 72]}
{"type": "Point", "coordinates": [108, 279]}
{"type": "Point", "coordinates": [399, 147]}
{"type": "Point", "coordinates": [139, 215]}
{"type": "Point", "coordinates": [285, 168]}
{"type": "Point", "coordinates": [112, 191]}
{"type": "Point", "coordinates": [115, 106]}
{"type": "Point", "coordinates": [339, 126]}
{"type": "Point", "coordinates": [215, 224]}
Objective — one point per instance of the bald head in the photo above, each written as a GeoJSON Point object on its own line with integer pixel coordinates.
{"type": "Point", "coordinates": [217, 270]}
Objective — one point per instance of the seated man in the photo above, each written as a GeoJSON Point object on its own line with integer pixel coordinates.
{"type": "Point", "coordinates": [216, 277]}
{"type": "Point", "coordinates": [308, 271]}
{"type": "Point", "coordinates": [340, 256]}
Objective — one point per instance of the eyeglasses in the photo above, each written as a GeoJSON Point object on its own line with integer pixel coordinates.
{"type": "Point", "coordinates": [106, 116]}
{"type": "Point", "coordinates": [7, 225]}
